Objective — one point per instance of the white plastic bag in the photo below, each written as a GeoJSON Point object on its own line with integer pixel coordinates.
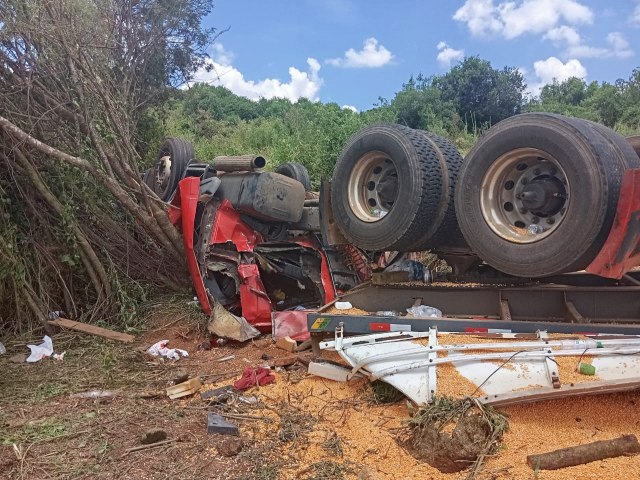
{"type": "Point", "coordinates": [38, 352]}
{"type": "Point", "coordinates": [160, 349]}
{"type": "Point", "coordinates": [424, 311]}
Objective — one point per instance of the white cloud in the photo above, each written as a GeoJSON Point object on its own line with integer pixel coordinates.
{"type": "Point", "coordinates": [447, 55]}
{"type": "Point", "coordinates": [220, 72]}
{"type": "Point", "coordinates": [552, 69]}
{"type": "Point", "coordinates": [563, 35]}
{"type": "Point", "coordinates": [635, 16]}
{"type": "Point", "coordinates": [619, 45]}
{"type": "Point", "coordinates": [350, 107]}
{"type": "Point", "coordinates": [221, 55]}
{"type": "Point", "coordinates": [574, 46]}
{"type": "Point", "coordinates": [372, 55]}
{"type": "Point", "coordinates": [514, 18]}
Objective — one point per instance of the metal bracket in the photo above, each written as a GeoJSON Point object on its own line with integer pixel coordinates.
{"type": "Point", "coordinates": [432, 379]}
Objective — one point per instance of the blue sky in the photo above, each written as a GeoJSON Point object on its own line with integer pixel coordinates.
{"type": "Point", "coordinates": [352, 52]}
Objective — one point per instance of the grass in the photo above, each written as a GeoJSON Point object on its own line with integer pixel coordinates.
{"type": "Point", "coordinates": [385, 393]}
{"type": "Point", "coordinates": [333, 444]}
{"type": "Point", "coordinates": [330, 470]}
{"type": "Point", "coordinates": [294, 423]}
{"type": "Point", "coordinates": [35, 432]}
{"type": "Point", "coordinates": [90, 363]}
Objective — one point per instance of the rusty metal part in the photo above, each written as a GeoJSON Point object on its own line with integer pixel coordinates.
{"type": "Point", "coordinates": [239, 163]}
{"type": "Point", "coordinates": [355, 259]}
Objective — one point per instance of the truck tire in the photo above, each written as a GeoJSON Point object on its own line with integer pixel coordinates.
{"type": "Point", "coordinates": [538, 193]}
{"type": "Point", "coordinates": [391, 189]}
{"type": "Point", "coordinates": [296, 171]}
{"type": "Point", "coordinates": [171, 163]}
{"type": "Point", "coordinates": [635, 143]}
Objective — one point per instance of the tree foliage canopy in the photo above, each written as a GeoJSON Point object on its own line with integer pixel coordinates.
{"type": "Point", "coordinates": [79, 230]}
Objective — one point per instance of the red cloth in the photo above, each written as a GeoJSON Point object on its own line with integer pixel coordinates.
{"type": "Point", "coordinates": [251, 376]}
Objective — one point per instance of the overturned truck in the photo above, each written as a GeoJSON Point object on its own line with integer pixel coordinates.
{"type": "Point", "coordinates": [538, 197]}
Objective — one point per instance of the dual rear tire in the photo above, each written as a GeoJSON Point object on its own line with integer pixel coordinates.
{"type": "Point", "coordinates": [535, 197]}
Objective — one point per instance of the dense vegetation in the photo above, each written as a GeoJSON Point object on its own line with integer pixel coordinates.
{"type": "Point", "coordinates": [88, 88]}
{"type": "Point", "coordinates": [459, 105]}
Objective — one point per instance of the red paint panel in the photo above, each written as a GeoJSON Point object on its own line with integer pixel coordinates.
{"type": "Point", "coordinates": [620, 253]}
{"type": "Point", "coordinates": [229, 227]}
{"type": "Point", "coordinates": [188, 193]}
{"type": "Point", "coordinates": [256, 306]}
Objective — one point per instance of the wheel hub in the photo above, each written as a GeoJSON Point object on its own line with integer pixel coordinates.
{"type": "Point", "coordinates": [524, 195]}
{"type": "Point", "coordinates": [544, 196]}
{"type": "Point", "coordinates": [373, 186]}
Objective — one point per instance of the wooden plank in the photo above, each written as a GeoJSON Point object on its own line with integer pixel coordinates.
{"type": "Point", "coordinates": [92, 330]}
{"type": "Point", "coordinates": [191, 384]}
{"type": "Point", "coordinates": [567, 390]}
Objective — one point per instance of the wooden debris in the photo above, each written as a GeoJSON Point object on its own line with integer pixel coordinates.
{"type": "Point", "coordinates": [151, 445]}
{"type": "Point", "coordinates": [306, 345]}
{"type": "Point", "coordinates": [581, 454]}
{"type": "Point", "coordinates": [287, 344]}
{"type": "Point", "coordinates": [92, 330]}
{"type": "Point", "coordinates": [184, 389]}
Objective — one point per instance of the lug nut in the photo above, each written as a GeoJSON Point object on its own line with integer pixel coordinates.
{"type": "Point", "coordinates": [535, 220]}
{"type": "Point", "coordinates": [536, 171]}
{"type": "Point", "coordinates": [551, 221]}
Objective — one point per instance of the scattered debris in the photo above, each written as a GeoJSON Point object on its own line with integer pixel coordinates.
{"type": "Point", "coordinates": [38, 352]}
{"type": "Point", "coordinates": [294, 423]}
{"type": "Point", "coordinates": [153, 436]}
{"type": "Point", "coordinates": [159, 349]}
{"type": "Point", "coordinates": [291, 324]}
{"type": "Point", "coordinates": [225, 359]}
{"type": "Point", "coordinates": [217, 424]}
{"type": "Point", "coordinates": [92, 330]}
{"type": "Point", "coordinates": [477, 431]}
{"type": "Point", "coordinates": [343, 305]}
{"type": "Point", "coordinates": [230, 447]}
{"type": "Point", "coordinates": [586, 369]}
{"type": "Point", "coordinates": [59, 356]}
{"type": "Point", "coordinates": [252, 377]}
{"type": "Point", "coordinates": [217, 394]}
{"type": "Point", "coordinates": [287, 344]}
{"type": "Point", "coordinates": [95, 394]}
{"type": "Point", "coordinates": [225, 324]}
{"type": "Point", "coordinates": [424, 311]}
{"type": "Point", "coordinates": [580, 454]}
{"type": "Point", "coordinates": [184, 389]}
{"type": "Point", "coordinates": [151, 445]}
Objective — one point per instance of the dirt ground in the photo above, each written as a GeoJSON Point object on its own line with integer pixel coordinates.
{"type": "Point", "coordinates": [302, 427]}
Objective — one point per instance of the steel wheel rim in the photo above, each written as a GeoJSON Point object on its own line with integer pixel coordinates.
{"type": "Point", "coordinates": [163, 173]}
{"type": "Point", "coordinates": [524, 195]}
{"type": "Point", "coordinates": [372, 187]}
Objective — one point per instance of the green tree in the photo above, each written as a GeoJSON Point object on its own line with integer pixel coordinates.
{"type": "Point", "coordinates": [481, 94]}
